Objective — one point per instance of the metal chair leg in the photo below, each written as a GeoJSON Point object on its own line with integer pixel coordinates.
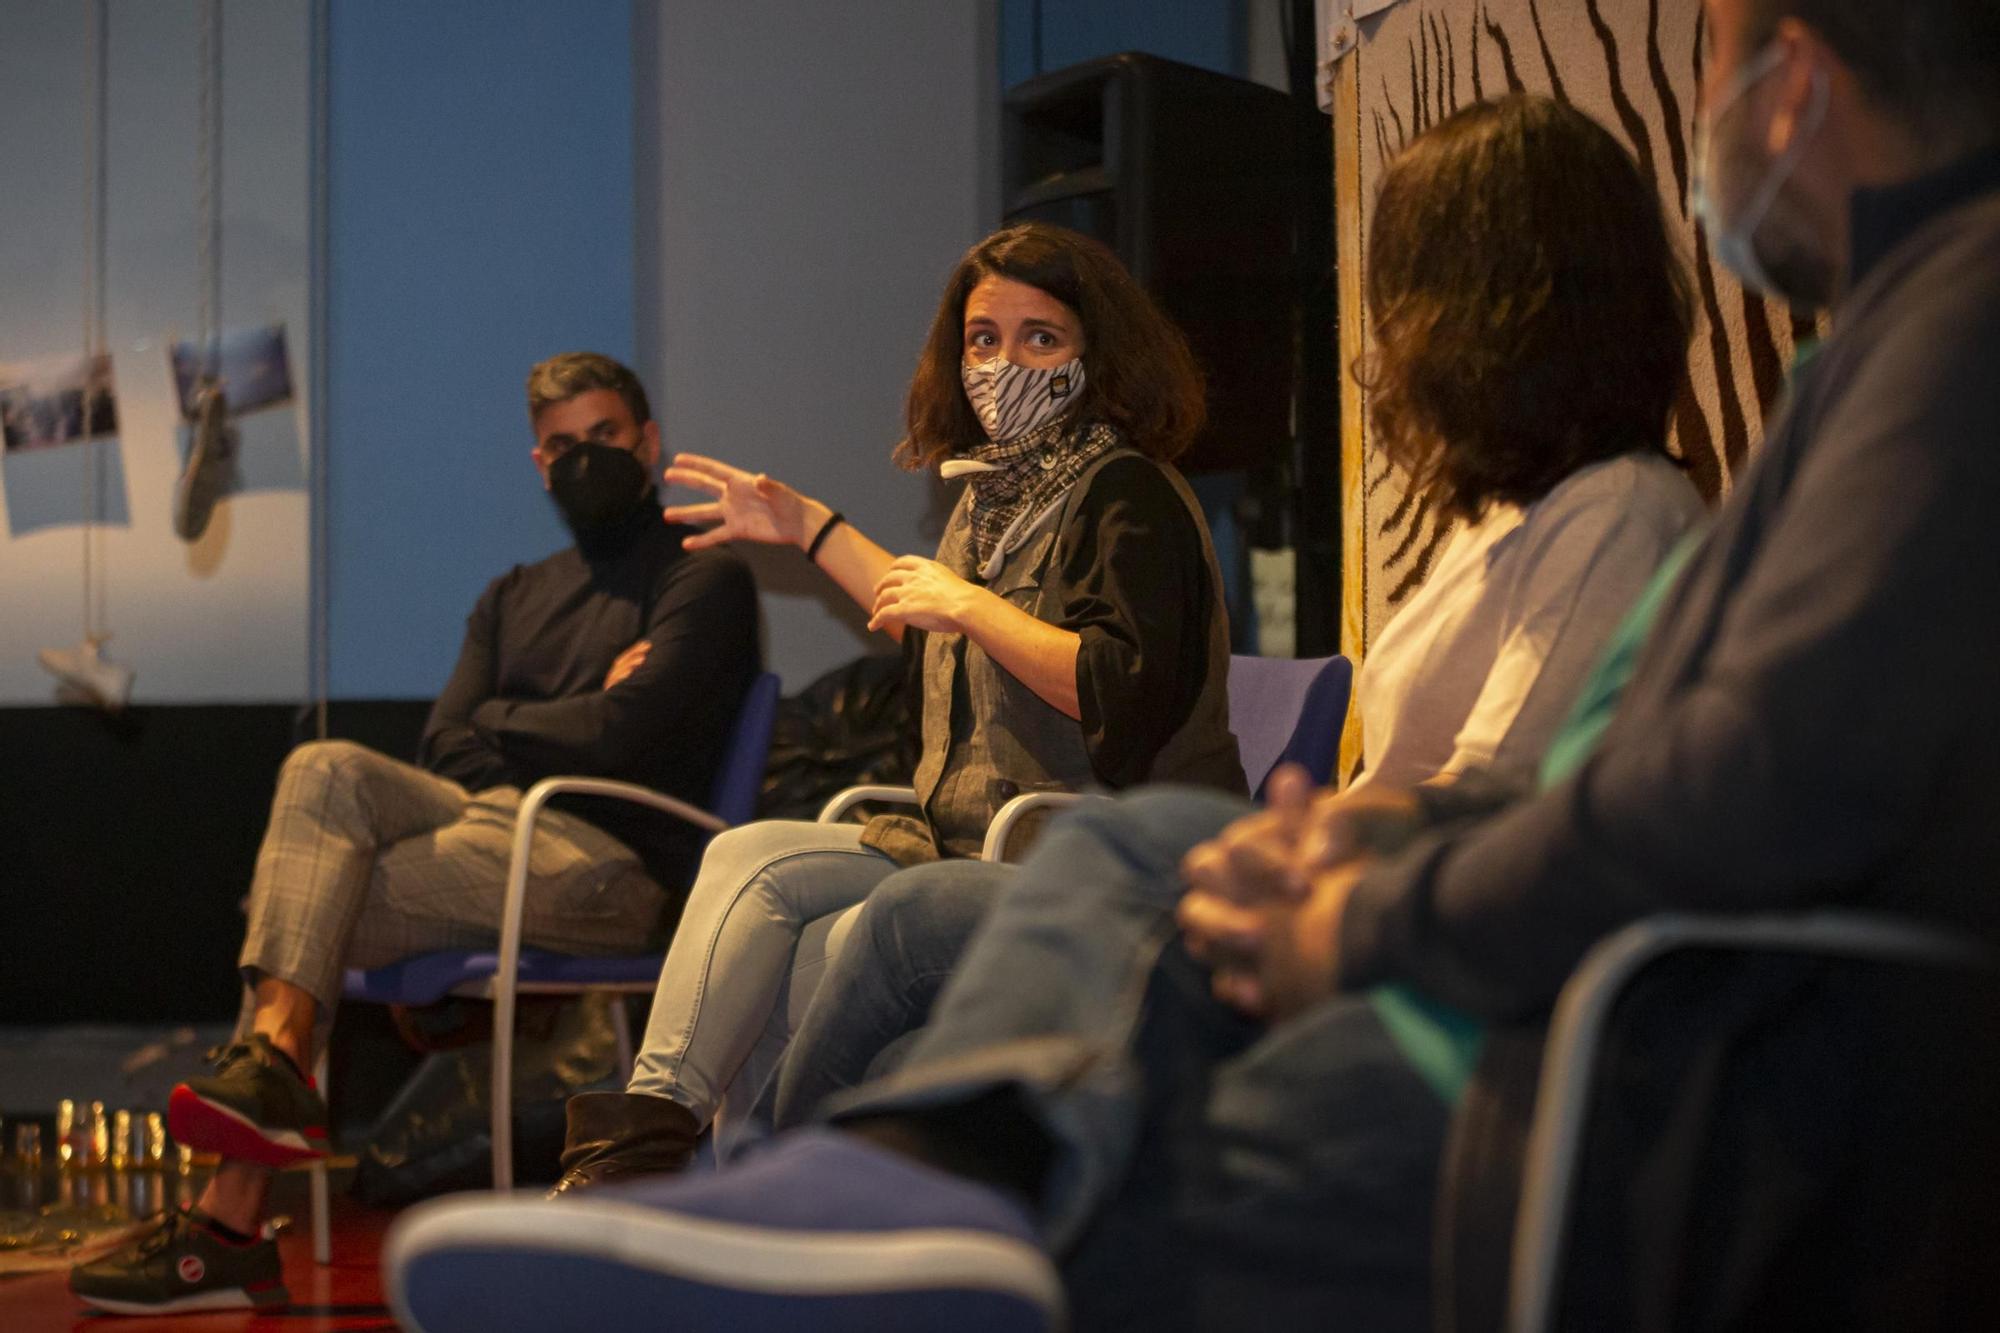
{"type": "Point", "coordinates": [621, 1033]}
{"type": "Point", "coordinates": [322, 1207]}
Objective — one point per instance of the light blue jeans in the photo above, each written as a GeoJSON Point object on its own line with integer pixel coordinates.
{"type": "Point", "coordinates": [758, 887]}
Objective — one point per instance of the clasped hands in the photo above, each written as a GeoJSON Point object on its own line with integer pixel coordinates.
{"type": "Point", "coordinates": [1265, 897]}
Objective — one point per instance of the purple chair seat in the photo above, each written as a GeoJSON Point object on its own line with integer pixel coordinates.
{"type": "Point", "coordinates": [429, 977]}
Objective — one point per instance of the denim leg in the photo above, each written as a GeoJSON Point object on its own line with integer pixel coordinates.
{"type": "Point", "coordinates": [1289, 1172]}
{"type": "Point", "coordinates": [1050, 991]}
{"type": "Point", "coordinates": [758, 886]}
{"type": "Point", "coordinates": [913, 929]}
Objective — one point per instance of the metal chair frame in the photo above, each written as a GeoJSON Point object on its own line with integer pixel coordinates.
{"type": "Point", "coordinates": [503, 986]}
{"type": "Point", "coordinates": [1007, 819]}
{"type": "Point", "coordinates": [1576, 1049]}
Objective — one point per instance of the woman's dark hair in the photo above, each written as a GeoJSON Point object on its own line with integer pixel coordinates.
{"type": "Point", "coordinates": [1140, 376]}
{"type": "Point", "coordinates": [1530, 313]}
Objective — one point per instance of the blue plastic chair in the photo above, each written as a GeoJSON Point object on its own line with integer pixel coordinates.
{"type": "Point", "coordinates": [501, 974]}
{"type": "Point", "coordinates": [1288, 711]}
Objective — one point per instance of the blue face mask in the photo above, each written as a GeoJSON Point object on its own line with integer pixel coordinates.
{"type": "Point", "coordinates": [1735, 239]}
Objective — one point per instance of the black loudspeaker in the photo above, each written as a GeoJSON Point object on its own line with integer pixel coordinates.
{"type": "Point", "coordinates": [1194, 179]}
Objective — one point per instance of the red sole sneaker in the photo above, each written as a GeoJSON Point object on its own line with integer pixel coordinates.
{"type": "Point", "coordinates": [208, 1126]}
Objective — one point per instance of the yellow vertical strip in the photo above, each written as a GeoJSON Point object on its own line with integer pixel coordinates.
{"type": "Point", "coordinates": [1349, 231]}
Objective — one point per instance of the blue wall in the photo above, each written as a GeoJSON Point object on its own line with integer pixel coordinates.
{"type": "Point", "coordinates": [480, 218]}
{"type": "Point", "coordinates": [481, 164]}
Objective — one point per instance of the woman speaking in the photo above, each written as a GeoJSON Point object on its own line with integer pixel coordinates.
{"type": "Point", "coordinates": [1068, 634]}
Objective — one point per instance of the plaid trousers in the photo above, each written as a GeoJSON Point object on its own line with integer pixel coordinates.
{"type": "Point", "coordinates": [368, 860]}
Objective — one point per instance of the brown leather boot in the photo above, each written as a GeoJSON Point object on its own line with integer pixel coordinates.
{"type": "Point", "coordinates": [616, 1135]}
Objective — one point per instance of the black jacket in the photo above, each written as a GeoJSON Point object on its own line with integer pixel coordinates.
{"type": "Point", "coordinates": [527, 699]}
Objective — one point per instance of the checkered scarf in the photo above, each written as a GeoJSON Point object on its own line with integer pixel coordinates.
{"type": "Point", "coordinates": [1025, 476]}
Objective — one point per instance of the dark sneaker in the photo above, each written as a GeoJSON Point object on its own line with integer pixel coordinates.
{"type": "Point", "coordinates": [183, 1266]}
{"type": "Point", "coordinates": [255, 1108]}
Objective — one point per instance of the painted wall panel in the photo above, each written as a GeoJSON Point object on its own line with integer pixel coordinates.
{"type": "Point", "coordinates": [223, 619]}
{"type": "Point", "coordinates": [811, 174]}
{"type": "Point", "coordinates": [1636, 68]}
{"type": "Point", "coordinates": [480, 219]}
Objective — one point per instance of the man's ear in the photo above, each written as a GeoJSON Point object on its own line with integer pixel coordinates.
{"type": "Point", "coordinates": [648, 451]}
{"type": "Point", "coordinates": [1795, 90]}
{"type": "Point", "coordinates": [541, 467]}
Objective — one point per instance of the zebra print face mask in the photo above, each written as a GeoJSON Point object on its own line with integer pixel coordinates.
{"type": "Point", "coordinates": [1012, 400]}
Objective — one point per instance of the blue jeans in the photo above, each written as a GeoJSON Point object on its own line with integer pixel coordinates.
{"type": "Point", "coordinates": [879, 989]}
{"type": "Point", "coordinates": [1209, 1171]}
{"type": "Point", "coordinates": [759, 885]}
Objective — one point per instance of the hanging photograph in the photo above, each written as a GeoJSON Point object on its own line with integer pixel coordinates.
{"type": "Point", "coordinates": [57, 400]}
{"type": "Point", "coordinates": [252, 364]}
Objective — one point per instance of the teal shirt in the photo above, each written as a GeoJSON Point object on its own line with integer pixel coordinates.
{"type": "Point", "coordinates": [1441, 1043]}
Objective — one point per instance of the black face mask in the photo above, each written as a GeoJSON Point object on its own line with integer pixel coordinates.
{"type": "Point", "coordinates": [597, 486]}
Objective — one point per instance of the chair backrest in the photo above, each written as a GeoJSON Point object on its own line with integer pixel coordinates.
{"type": "Point", "coordinates": [1288, 710]}
{"type": "Point", "coordinates": [741, 777]}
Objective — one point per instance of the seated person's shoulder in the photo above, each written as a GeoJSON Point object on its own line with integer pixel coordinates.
{"type": "Point", "coordinates": [1133, 485]}
{"type": "Point", "coordinates": [714, 571]}
{"type": "Point", "coordinates": [1641, 489]}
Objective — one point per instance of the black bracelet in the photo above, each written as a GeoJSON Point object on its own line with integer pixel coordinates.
{"type": "Point", "coordinates": [833, 520]}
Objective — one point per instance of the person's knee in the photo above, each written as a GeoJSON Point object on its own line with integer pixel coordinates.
{"type": "Point", "coordinates": [1157, 824]}
{"type": "Point", "coordinates": [738, 855]}
{"type": "Point", "coordinates": [927, 911]}
{"type": "Point", "coordinates": [890, 914]}
{"type": "Point", "coordinates": [328, 760]}
{"type": "Point", "coordinates": [759, 874]}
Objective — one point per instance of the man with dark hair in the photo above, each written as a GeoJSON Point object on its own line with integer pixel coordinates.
{"type": "Point", "coordinates": [1809, 721]}
{"type": "Point", "coordinates": [620, 656]}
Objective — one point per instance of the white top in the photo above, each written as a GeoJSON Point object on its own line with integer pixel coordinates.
{"type": "Point", "coordinates": [1481, 666]}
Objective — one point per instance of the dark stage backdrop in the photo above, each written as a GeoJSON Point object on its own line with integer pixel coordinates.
{"type": "Point", "coordinates": [127, 843]}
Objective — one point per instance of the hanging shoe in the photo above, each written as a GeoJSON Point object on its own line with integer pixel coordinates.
{"type": "Point", "coordinates": [84, 676]}
{"type": "Point", "coordinates": [210, 472]}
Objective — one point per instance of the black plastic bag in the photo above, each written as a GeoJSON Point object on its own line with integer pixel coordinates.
{"type": "Point", "coordinates": [435, 1137]}
{"type": "Point", "coordinates": [855, 724]}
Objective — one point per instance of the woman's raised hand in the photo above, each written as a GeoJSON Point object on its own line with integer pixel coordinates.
{"type": "Point", "coordinates": [748, 506]}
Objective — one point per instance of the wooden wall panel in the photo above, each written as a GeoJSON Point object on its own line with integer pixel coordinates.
{"type": "Point", "coordinates": [1635, 65]}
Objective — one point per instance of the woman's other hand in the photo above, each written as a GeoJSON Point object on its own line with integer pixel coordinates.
{"type": "Point", "coordinates": [748, 506]}
{"type": "Point", "coordinates": [923, 594]}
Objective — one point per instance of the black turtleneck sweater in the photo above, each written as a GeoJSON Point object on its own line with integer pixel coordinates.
{"type": "Point", "coordinates": [527, 699]}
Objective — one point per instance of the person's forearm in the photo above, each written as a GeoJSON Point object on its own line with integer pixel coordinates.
{"type": "Point", "coordinates": [456, 752]}
{"type": "Point", "coordinates": [847, 556]}
{"type": "Point", "coordinates": [1039, 655]}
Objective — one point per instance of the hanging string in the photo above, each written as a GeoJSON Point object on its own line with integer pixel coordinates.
{"type": "Point", "coordinates": [96, 60]}
{"type": "Point", "coordinates": [208, 203]}
{"type": "Point", "coordinates": [317, 667]}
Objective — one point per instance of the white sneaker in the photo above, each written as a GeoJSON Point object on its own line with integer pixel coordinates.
{"type": "Point", "coordinates": [211, 464]}
{"type": "Point", "coordinates": [85, 677]}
